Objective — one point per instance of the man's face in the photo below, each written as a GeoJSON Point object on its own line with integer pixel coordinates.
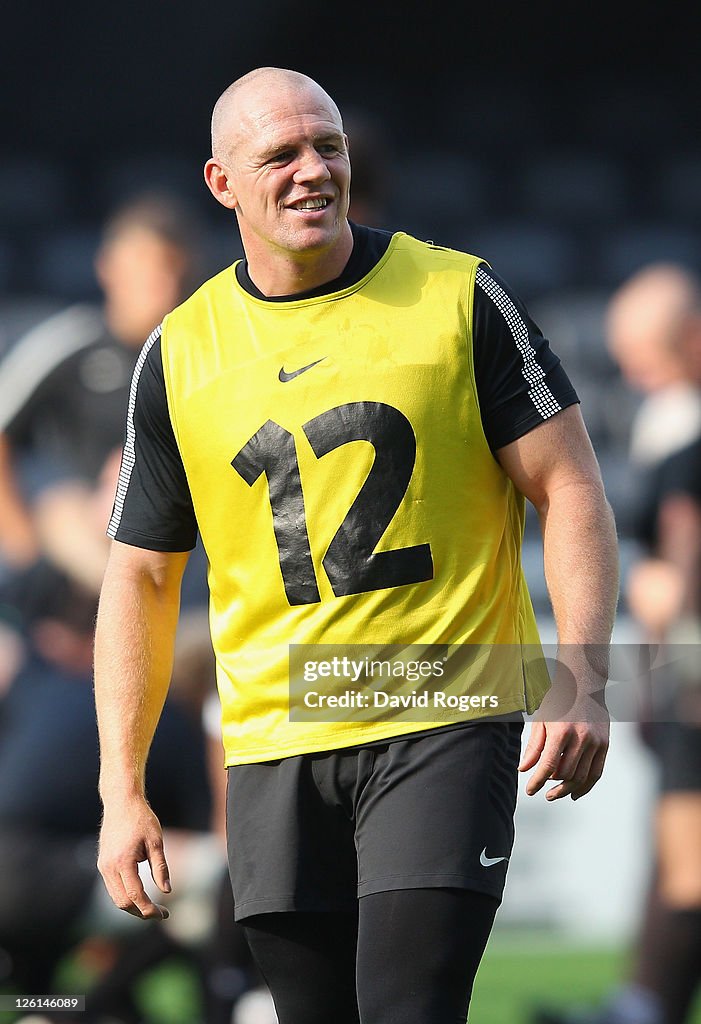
{"type": "Point", "coordinates": [289, 172]}
{"type": "Point", "coordinates": [142, 278]}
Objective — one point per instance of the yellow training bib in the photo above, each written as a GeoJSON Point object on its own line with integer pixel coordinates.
{"type": "Point", "coordinates": [343, 487]}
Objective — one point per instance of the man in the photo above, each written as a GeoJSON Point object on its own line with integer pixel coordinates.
{"type": "Point", "coordinates": [50, 812]}
{"type": "Point", "coordinates": [653, 327]}
{"type": "Point", "coordinates": [314, 412]}
{"type": "Point", "coordinates": [65, 385]}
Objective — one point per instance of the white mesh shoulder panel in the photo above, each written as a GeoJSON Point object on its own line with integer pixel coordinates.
{"type": "Point", "coordinates": [538, 391]}
{"type": "Point", "coordinates": [129, 453]}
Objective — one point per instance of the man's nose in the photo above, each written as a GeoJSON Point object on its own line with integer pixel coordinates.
{"type": "Point", "coordinates": [311, 167]}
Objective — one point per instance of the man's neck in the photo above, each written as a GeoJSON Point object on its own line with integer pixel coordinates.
{"type": "Point", "coordinates": [290, 273]}
{"type": "Point", "coordinates": [127, 328]}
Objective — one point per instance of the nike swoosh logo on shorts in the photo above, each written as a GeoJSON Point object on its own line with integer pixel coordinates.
{"type": "Point", "coordinates": [284, 377]}
{"type": "Point", "coordinates": [489, 862]}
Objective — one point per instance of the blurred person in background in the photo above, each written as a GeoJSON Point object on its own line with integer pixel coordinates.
{"type": "Point", "coordinates": [64, 386]}
{"type": "Point", "coordinates": [358, 850]}
{"type": "Point", "coordinates": [50, 899]}
{"type": "Point", "coordinates": [654, 332]}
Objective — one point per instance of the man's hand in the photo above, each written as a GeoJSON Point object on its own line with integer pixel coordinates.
{"type": "Point", "coordinates": [129, 836]}
{"type": "Point", "coordinates": [572, 751]}
{"type": "Point", "coordinates": [555, 467]}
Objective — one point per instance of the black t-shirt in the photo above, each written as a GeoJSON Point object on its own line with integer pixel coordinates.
{"type": "Point", "coordinates": [156, 507]}
{"type": "Point", "coordinates": [678, 473]}
{"type": "Point", "coordinates": [64, 390]}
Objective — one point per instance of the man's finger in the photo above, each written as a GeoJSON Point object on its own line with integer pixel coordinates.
{"type": "Point", "coordinates": [586, 776]}
{"type": "Point", "coordinates": [548, 767]}
{"type": "Point", "coordinates": [576, 760]}
{"type": "Point", "coordinates": [595, 772]}
{"type": "Point", "coordinates": [534, 747]}
{"type": "Point", "coordinates": [159, 866]}
{"type": "Point", "coordinates": [564, 789]}
{"type": "Point", "coordinates": [138, 901]}
{"type": "Point", "coordinates": [580, 773]}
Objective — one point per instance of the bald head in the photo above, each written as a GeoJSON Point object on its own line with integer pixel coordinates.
{"type": "Point", "coordinates": [244, 100]}
{"type": "Point", "coordinates": [663, 294]}
{"type": "Point", "coordinates": [649, 321]}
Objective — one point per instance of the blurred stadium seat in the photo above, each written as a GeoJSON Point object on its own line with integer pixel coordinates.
{"type": "Point", "coordinates": [679, 184]}
{"type": "Point", "coordinates": [501, 116]}
{"type": "Point", "coordinates": [63, 263]}
{"type": "Point", "coordinates": [629, 114]}
{"type": "Point", "coordinates": [533, 258]}
{"type": "Point", "coordinates": [123, 177]}
{"type": "Point", "coordinates": [436, 192]}
{"type": "Point", "coordinates": [6, 266]}
{"type": "Point", "coordinates": [626, 248]}
{"type": "Point", "coordinates": [32, 192]}
{"type": "Point", "coordinates": [573, 187]}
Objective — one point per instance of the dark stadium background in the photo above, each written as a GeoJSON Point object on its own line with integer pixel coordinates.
{"type": "Point", "coordinates": [562, 141]}
{"type": "Point", "coordinates": [559, 141]}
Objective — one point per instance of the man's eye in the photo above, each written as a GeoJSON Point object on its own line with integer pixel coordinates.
{"type": "Point", "coordinates": [281, 158]}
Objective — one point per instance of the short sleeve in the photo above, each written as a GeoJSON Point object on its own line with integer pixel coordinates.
{"type": "Point", "coordinates": [153, 507]}
{"type": "Point", "coordinates": [520, 381]}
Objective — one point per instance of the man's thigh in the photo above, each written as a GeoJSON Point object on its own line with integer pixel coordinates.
{"type": "Point", "coordinates": [308, 963]}
{"type": "Point", "coordinates": [418, 953]}
{"type": "Point", "coordinates": [438, 811]}
{"type": "Point", "coordinates": [313, 833]}
{"type": "Point", "coordinates": [290, 849]}
{"type": "Point", "coordinates": [410, 959]}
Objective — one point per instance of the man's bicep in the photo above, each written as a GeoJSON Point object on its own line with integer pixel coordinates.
{"type": "Point", "coordinates": [556, 453]}
{"type": "Point", "coordinates": [128, 562]}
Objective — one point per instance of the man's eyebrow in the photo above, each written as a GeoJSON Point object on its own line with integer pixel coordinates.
{"type": "Point", "coordinates": [282, 147]}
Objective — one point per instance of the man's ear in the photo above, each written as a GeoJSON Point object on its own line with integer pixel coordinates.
{"type": "Point", "coordinates": [217, 178]}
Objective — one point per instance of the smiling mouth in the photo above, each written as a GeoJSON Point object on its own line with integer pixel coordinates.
{"type": "Point", "coordinates": [310, 204]}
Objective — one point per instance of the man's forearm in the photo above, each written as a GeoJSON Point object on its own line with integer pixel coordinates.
{"type": "Point", "coordinates": [134, 643]}
{"type": "Point", "coordinates": [580, 554]}
{"type": "Point", "coordinates": [555, 467]}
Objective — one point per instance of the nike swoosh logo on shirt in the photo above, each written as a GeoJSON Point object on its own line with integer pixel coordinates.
{"type": "Point", "coordinates": [489, 862]}
{"type": "Point", "coordinates": [284, 377]}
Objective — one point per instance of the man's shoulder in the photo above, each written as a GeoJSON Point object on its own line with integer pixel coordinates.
{"type": "Point", "coordinates": [58, 336]}
{"type": "Point", "coordinates": [433, 253]}
{"type": "Point", "coordinates": [43, 352]}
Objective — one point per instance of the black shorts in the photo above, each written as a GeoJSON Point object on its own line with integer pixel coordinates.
{"type": "Point", "coordinates": [317, 831]}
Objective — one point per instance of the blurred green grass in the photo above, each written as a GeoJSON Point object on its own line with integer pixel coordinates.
{"type": "Point", "coordinates": [516, 976]}
{"type": "Point", "coordinates": [513, 980]}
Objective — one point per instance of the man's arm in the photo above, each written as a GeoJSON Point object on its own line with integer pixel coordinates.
{"type": "Point", "coordinates": [554, 466]}
{"type": "Point", "coordinates": [18, 536]}
{"type": "Point", "coordinates": [134, 642]}
{"type": "Point", "coordinates": [679, 527]}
